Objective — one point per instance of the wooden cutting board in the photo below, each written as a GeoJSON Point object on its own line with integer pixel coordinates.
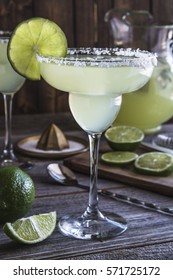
{"type": "Point", "coordinates": [126, 174]}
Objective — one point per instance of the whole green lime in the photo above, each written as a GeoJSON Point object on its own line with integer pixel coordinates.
{"type": "Point", "coordinates": [17, 193]}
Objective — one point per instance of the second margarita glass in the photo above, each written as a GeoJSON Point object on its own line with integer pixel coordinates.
{"type": "Point", "coordinates": [96, 78]}
{"type": "Point", "coordinates": [10, 83]}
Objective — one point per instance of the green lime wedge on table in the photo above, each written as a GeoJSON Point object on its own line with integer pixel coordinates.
{"type": "Point", "coordinates": [124, 138]}
{"type": "Point", "coordinates": [32, 36]}
{"type": "Point", "coordinates": [154, 163]}
{"type": "Point", "coordinates": [33, 229]}
{"type": "Point", "coordinates": [118, 158]}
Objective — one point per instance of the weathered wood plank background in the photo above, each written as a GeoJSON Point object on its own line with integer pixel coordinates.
{"type": "Point", "coordinates": [83, 24]}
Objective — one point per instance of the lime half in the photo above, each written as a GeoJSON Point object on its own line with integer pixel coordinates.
{"type": "Point", "coordinates": [32, 36]}
{"type": "Point", "coordinates": [155, 163]}
{"type": "Point", "coordinates": [124, 138]}
{"type": "Point", "coordinates": [118, 158]}
{"type": "Point", "coordinates": [31, 230]}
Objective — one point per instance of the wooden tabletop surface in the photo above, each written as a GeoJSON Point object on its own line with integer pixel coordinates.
{"type": "Point", "coordinates": [149, 234]}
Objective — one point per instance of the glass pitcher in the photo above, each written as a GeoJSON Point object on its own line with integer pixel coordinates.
{"type": "Point", "coordinates": [152, 105]}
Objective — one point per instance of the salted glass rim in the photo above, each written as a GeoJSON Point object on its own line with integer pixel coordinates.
{"type": "Point", "coordinates": [103, 57]}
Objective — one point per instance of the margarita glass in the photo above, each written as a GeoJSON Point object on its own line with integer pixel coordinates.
{"type": "Point", "coordinates": [10, 83]}
{"type": "Point", "coordinates": [96, 79]}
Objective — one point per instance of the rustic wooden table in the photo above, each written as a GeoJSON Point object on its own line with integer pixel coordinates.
{"type": "Point", "coordinates": [149, 234]}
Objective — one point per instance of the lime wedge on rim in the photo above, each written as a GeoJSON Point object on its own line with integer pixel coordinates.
{"type": "Point", "coordinates": [118, 158]}
{"type": "Point", "coordinates": [154, 163]}
{"type": "Point", "coordinates": [31, 230]}
{"type": "Point", "coordinates": [32, 36]}
{"type": "Point", "coordinates": [124, 138]}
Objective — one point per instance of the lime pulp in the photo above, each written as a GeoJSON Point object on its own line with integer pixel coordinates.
{"type": "Point", "coordinates": [118, 158]}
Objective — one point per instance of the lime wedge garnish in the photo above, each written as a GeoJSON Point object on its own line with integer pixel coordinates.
{"type": "Point", "coordinates": [124, 138]}
{"type": "Point", "coordinates": [154, 163]}
{"type": "Point", "coordinates": [33, 229]}
{"type": "Point", "coordinates": [32, 36]}
{"type": "Point", "coordinates": [118, 158]}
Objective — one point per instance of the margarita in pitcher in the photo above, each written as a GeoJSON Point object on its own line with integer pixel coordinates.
{"type": "Point", "coordinates": [155, 98]}
{"type": "Point", "coordinates": [152, 105]}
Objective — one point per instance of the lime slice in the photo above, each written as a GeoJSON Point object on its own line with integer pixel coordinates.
{"type": "Point", "coordinates": [32, 36]}
{"type": "Point", "coordinates": [118, 158]}
{"type": "Point", "coordinates": [124, 138]}
{"type": "Point", "coordinates": [154, 163]}
{"type": "Point", "coordinates": [32, 229]}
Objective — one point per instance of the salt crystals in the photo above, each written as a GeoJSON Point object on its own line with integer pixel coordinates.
{"type": "Point", "coordinates": [104, 57]}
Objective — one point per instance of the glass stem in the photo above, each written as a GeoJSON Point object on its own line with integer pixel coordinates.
{"type": "Point", "coordinates": [8, 100]}
{"type": "Point", "coordinates": [92, 209]}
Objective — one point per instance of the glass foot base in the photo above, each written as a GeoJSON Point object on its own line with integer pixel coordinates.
{"type": "Point", "coordinates": [107, 225]}
{"type": "Point", "coordinates": [20, 164]}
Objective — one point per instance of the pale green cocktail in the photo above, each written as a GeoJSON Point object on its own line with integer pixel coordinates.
{"type": "Point", "coordinates": [151, 105]}
{"type": "Point", "coordinates": [96, 79]}
{"type": "Point", "coordinates": [10, 83]}
{"type": "Point", "coordinates": [94, 88]}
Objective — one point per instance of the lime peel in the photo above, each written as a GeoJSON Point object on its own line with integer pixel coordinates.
{"type": "Point", "coordinates": [33, 229]}
{"type": "Point", "coordinates": [17, 193]}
